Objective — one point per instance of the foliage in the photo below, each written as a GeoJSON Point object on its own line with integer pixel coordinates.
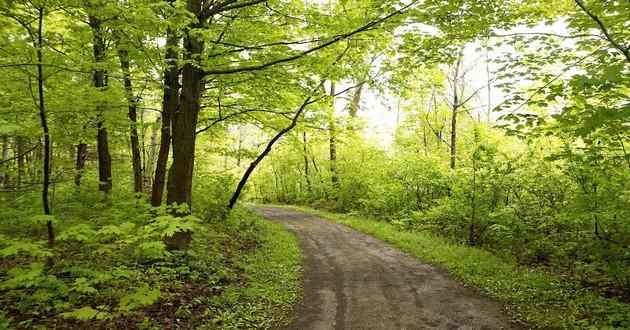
{"type": "Point", "coordinates": [111, 270]}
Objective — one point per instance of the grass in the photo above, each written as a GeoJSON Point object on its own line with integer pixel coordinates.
{"type": "Point", "coordinates": [274, 278]}
{"type": "Point", "coordinates": [534, 298]}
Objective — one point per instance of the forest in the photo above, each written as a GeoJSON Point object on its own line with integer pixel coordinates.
{"type": "Point", "coordinates": [490, 138]}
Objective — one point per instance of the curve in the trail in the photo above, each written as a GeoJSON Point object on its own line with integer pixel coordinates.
{"type": "Point", "coordinates": [355, 281]}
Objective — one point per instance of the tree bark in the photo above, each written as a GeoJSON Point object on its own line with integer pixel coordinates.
{"type": "Point", "coordinates": [81, 157]}
{"type": "Point", "coordinates": [185, 118]}
{"type": "Point", "coordinates": [332, 131]}
{"type": "Point", "coordinates": [170, 103]}
{"type": "Point", "coordinates": [100, 81]}
{"type": "Point", "coordinates": [454, 114]}
{"type": "Point", "coordinates": [4, 176]}
{"type": "Point", "coordinates": [309, 186]}
{"type": "Point", "coordinates": [44, 124]}
{"type": "Point", "coordinates": [136, 158]}
{"type": "Point", "coordinates": [21, 154]}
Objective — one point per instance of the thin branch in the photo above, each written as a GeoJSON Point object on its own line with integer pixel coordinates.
{"type": "Point", "coordinates": [604, 29]}
{"type": "Point", "coordinates": [20, 155]}
{"type": "Point", "coordinates": [333, 41]}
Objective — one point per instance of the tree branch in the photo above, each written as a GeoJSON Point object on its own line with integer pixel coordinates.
{"type": "Point", "coordinates": [333, 41]}
{"type": "Point", "coordinates": [604, 29]}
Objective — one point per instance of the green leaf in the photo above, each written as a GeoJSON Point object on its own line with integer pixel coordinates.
{"type": "Point", "coordinates": [143, 296]}
{"type": "Point", "coordinates": [86, 313]}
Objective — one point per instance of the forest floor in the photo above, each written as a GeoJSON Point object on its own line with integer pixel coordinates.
{"type": "Point", "coordinates": [355, 281]}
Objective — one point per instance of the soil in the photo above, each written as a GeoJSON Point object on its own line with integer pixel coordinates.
{"type": "Point", "coordinates": [355, 281]}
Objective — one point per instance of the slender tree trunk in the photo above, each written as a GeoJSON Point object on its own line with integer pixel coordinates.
{"type": "Point", "coordinates": [19, 142]}
{"type": "Point", "coordinates": [239, 146]}
{"type": "Point", "coordinates": [332, 130]}
{"type": "Point", "coordinates": [471, 231]}
{"type": "Point", "coordinates": [100, 82]}
{"type": "Point", "coordinates": [44, 124]}
{"type": "Point", "coordinates": [267, 150]}
{"type": "Point", "coordinates": [151, 157]}
{"type": "Point", "coordinates": [185, 118]}
{"type": "Point", "coordinates": [81, 157]}
{"type": "Point", "coordinates": [309, 186]}
{"type": "Point", "coordinates": [454, 114]}
{"type": "Point", "coordinates": [170, 104]}
{"type": "Point", "coordinates": [454, 138]}
{"type": "Point", "coordinates": [4, 176]}
{"type": "Point", "coordinates": [136, 158]}
{"type": "Point", "coordinates": [425, 140]}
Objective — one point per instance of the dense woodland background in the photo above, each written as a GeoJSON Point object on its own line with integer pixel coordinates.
{"type": "Point", "coordinates": [130, 130]}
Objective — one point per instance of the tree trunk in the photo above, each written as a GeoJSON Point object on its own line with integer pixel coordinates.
{"type": "Point", "coordinates": [268, 149]}
{"type": "Point", "coordinates": [100, 82]}
{"type": "Point", "coordinates": [170, 104]}
{"type": "Point", "coordinates": [454, 114]}
{"type": "Point", "coordinates": [21, 154]}
{"type": "Point", "coordinates": [332, 130]}
{"type": "Point", "coordinates": [151, 157]}
{"type": "Point", "coordinates": [81, 157]}
{"type": "Point", "coordinates": [185, 119]}
{"type": "Point", "coordinates": [453, 138]}
{"type": "Point", "coordinates": [309, 186]}
{"type": "Point", "coordinates": [4, 176]}
{"type": "Point", "coordinates": [136, 159]}
{"type": "Point", "coordinates": [239, 146]}
{"type": "Point", "coordinates": [44, 124]}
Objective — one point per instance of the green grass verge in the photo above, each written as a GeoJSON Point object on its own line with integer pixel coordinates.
{"type": "Point", "coordinates": [536, 298]}
{"type": "Point", "coordinates": [274, 274]}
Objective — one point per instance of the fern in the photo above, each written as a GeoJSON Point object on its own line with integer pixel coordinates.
{"type": "Point", "coordinates": [21, 277]}
{"type": "Point", "coordinates": [32, 249]}
{"type": "Point", "coordinates": [87, 313]}
{"type": "Point", "coordinates": [83, 285]}
{"type": "Point", "coordinates": [152, 250]}
{"type": "Point", "coordinates": [78, 233]}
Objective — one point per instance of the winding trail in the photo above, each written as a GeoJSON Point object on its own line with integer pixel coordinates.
{"type": "Point", "coordinates": [355, 281]}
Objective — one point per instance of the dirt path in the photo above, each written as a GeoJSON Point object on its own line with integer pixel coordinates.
{"type": "Point", "coordinates": [354, 281]}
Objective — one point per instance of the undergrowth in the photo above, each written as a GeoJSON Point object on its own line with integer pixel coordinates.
{"type": "Point", "coordinates": [110, 268]}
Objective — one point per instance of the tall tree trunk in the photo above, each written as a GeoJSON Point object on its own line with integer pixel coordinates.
{"type": "Point", "coordinates": [332, 131]}
{"type": "Point", "coordinates": [21, 154]}
{"type": "Point", "coordinates": [425, 140]}
{"type": "Point", "coordinates": [4, 176]}
{"type": "Point", "coordinates": [453, 138]}
{"type": "Point", "coordinates": [170, 102]}
{"type": "Point", "coordinates": [309, 186]}
{"type": "Point", "coordinates": [81, 157]}
{"type": "Point", "coordinates": [44, 124]}
{"type": "Point", "coordinates": [185, 118]}
{"type": "Point", "coordinates": [136, 158]}
{"type": "Point", "coordinates": [100, 82]}
{"type": "Point", "coordinates": [151, 154]}
{"type": "Point", "coordinates": [455, 112]}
